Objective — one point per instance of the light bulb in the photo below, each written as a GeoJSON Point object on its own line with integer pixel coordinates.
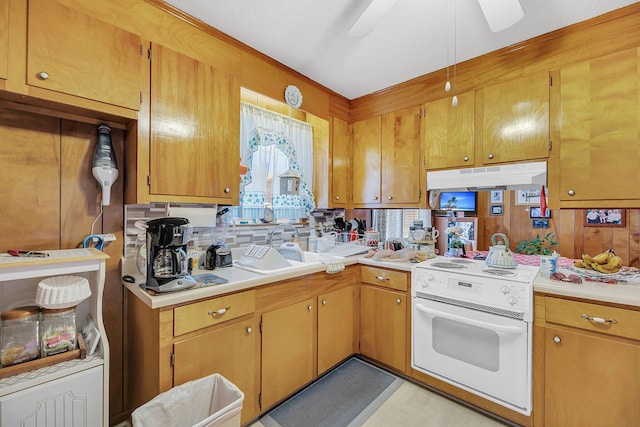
{"type": "Point", "coordinates": [454, 101]}
{"type": "Point", "coordinates": [447, 86]}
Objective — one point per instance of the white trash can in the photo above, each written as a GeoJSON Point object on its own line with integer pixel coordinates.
{"type": "Point", "coordinates": [206, 402]}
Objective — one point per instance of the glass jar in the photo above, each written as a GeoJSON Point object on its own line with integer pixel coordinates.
{"type": "Point", "coordinates": [20, 340]}
{"type": "Point", "coordinates": [58, 330]}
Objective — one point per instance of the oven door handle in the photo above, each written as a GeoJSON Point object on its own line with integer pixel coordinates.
{"type": "Point", "coordinates": [479, 323]}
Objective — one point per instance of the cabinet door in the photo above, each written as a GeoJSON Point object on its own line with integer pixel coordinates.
{"type": "Point", "coordinates": [77, 54]}
{"type": "Point", "coordinates": [383, 315]}
{"type": "Point", "coordinates": [590, 380]}
{"type": "Point", "coordinates": [339, 164]}
{"type": "Point", "coordinates": [515, 119]}
{"type": "Point", "coordinates": [195, 125]}
{"type": "Point", "coordinates": [73, 400]}
{"type": "Point", "coordinates": [4, 39]}
{"type": "Point", "coordinates": [288, 350]}
{"type": "Point", "coordinates": [449, 132]}
{"type": "Point", "coordinates": [367, 161]}
{"type": "Point", "coordinates": [335, 327]}
{"type": "Point", "coordinates": [231, 351]}
{"type": "Point", "coordinates": [401, 158]}
{"type": "Point", "coordinates": [599, 128]}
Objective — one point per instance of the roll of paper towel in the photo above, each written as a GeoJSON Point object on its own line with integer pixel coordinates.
{"type": "Point", "coordinates": [198, 217]}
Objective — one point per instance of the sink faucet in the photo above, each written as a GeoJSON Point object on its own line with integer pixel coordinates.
{"type": "Point", "coordinates": [279, 227]}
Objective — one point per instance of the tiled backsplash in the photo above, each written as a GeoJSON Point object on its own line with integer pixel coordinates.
{"type": "Point", "coordinates": [237, 235]}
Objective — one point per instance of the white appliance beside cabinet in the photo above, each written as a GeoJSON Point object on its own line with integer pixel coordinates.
{"type": "Point", "coordinates": [74, 392]}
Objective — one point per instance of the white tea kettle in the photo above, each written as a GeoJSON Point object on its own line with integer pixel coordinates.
{"type": "Point", "coordinates": [500, 255]}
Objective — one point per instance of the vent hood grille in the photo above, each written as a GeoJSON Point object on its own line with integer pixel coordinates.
{"type": "Point", "coordinates": [519, 176]}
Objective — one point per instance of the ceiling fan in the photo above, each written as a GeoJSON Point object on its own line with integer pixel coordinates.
{"type": "Point", "coordinates": [500, 15]}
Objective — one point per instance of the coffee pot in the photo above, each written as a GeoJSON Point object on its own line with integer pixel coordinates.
{"type": "Point", "coordinates": [167, 261]}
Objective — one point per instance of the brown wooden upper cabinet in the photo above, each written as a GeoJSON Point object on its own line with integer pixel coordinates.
{"type": "Point", "coordinates": [449, 136]}
{"type": "Point", "coordinates": [339, 155]}
{"type": "Point", "coordinates": [599, 129]}
{"type": "Point", "coordinates": [4, 40]}
{"type": "Point", "coordinates": [194, 146]}
{"type": "Point", "coordinates": [513, 119]}
{"type": "Point", "coordinates": [72, 53]}
{"type": "Point", "coordinates": [386, 160]}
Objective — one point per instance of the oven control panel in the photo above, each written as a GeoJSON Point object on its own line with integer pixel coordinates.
{"type": "Point", "coordinates": [497, 292]}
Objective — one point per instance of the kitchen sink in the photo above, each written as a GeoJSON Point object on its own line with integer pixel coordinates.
{"type": "Point", "coordinates": [267, 260]}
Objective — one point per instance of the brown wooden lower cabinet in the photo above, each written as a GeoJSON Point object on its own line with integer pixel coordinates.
{"type": "Point", "coordinates": [288, 350]}
{"type": "Point", "coordinates": [335, 327]}
{"type": "Point", "coordinates": [590, 369]}
{"type": "Point", "coordinates": [383, 323]}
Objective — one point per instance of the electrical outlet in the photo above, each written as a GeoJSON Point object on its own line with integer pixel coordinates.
{"type": "Point", "coordinates": [110, 237]}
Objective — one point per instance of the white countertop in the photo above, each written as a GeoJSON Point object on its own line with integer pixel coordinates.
{"type": "Point", "coordinates": [627, 293]}
{"type": "Point", "coordinates": [624, 293]}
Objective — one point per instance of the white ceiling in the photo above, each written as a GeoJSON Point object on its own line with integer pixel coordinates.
{"type": "Point", "coordinates": [415, 37]}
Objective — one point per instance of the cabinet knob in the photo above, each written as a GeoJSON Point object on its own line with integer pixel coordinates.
{"type": "Point", "coordinates": [375, 197]}
{"type": "Point", "coordinates": [324, 302]}
{"type": "Point", "coordinates": [571, 192]}
{"type": "Point", "coordinates": [309, 307]}
{"type": "Point", "coordinates": [466, 158]}
{"type": "Point", "coordinates": [227, 190]}
{"type": "Point", "coordinates": [390, 197]}
{"type": "Point", "coordinates": [337, 197]}
{"type": "Point", "coordinates": [398, 301]}
{"type": "Point", "coordinates": [490, 156]}
{"type": "Point", "coordinates": [43, 75]}
{"type": "Point", "coordinates": [249, 330]}
{"type": "Point", "coordinates": [556, 339]}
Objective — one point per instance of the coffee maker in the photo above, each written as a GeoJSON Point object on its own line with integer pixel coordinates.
{"type": "Point", "coordinates": [167, 262]}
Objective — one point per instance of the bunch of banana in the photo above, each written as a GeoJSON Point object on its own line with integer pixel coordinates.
{"type": "Point", "coordinates": [606, 262]}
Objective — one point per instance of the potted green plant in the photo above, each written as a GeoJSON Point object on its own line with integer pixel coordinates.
{"type": "Point", "coordinates": [538, 245]}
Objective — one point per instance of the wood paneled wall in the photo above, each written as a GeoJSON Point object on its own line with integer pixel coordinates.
{"type": "Point", "coordinates": [573, 237]}
{"type": "Point", "coordinates": [50, 201]}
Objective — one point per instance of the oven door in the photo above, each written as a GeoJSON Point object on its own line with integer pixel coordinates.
{"type": "Point", "coordinates": [483, 353]}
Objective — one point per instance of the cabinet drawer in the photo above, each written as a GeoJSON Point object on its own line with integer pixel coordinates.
{"type": "Point", "coordinates": [571, 313]}
{"type": "Point", "coordinates": [211, 312]}
{"type": "Point", "coordinates": [382, 277]}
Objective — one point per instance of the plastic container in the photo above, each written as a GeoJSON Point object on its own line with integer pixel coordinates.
{"type": "Point", "coordinates": [58, 331]}
{"type": "Point", "coordinates": [206, 402]}
{"type": "Point", "coordinates": [20, 340]}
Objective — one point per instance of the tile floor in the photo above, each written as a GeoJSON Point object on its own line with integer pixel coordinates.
{"type": "Point", "coordinates": [413, 406]}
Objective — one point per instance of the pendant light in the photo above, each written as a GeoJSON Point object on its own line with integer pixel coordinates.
{"type": "Point", "coordinates": [447, 85]}
{"type": "Point", "coordinates": [454, 100]}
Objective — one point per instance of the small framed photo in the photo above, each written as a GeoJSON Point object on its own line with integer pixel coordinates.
{"type": "Point", "coordinates": [540, 223]}
{"type": "Point", "coordinates": [607, 217]}
{"type": "Point", "coordinates": [496, 196]}
{"type": "Point", "coordinates": [527, 197]}
{"type": "Point", "coordinates": [535, 213]}
{"type": "Point", "coordinates": [496, 210]}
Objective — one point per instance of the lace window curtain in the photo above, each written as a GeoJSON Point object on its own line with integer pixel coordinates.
{"type": "Point", "coordinates": [290, 146]}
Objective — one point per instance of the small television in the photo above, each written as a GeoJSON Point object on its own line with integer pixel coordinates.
{"type": "Point", "coordinates": [460, 201]}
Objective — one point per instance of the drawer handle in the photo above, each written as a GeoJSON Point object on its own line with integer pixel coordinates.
{"type": "Point", "coordinates": [382, 278]}
{"type": "Point", "coordinates": [598, 319]}
{"type": "Point", "coordinates": [219, 312]}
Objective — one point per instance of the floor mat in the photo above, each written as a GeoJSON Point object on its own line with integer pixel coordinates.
{"type": "Point", "coordinates": [345, 397]}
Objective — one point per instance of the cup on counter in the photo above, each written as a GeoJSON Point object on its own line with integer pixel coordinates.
{"type": "Point", "coordinates": [548, 265]}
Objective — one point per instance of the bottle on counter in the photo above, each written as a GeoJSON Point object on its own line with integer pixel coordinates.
{"type": "Point", "coordinates": [20, 340]}
{"type": "Point", "coordinates": [312, 245]}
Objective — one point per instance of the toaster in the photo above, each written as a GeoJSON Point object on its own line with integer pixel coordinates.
{"type": "Point", "coordinates": [218, 256]}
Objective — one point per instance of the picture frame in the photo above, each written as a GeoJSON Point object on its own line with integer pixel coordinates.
{"type": "Point", "coordinates": [496, 210]}
{"type": "Point", "coordinates": [495, 196]}
{"type": "Point", "coordinates": [534, 212]}
{"type": "Point", "coordinates": [527, 197]}
{"type": "Point", "coordinates": [540, 223]}
{"type": "Point", "coordinates": [604, 217]}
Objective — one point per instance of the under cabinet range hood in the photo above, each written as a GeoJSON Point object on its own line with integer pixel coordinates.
{"type": "Point", "coordinates": [517, 176]}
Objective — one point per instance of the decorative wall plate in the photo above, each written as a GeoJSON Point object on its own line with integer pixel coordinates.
{"type": "Point", "coordinates": [293, 96]}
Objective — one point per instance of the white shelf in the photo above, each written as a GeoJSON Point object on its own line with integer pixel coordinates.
{"type": "Point", "coordinates": [19, 277]}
